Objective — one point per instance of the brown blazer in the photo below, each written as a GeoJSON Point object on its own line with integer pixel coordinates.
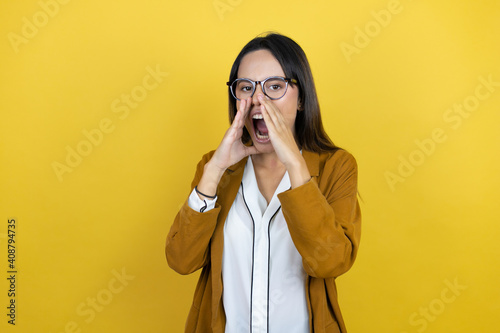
{"type": "Point", "coordinates": [324, 221]}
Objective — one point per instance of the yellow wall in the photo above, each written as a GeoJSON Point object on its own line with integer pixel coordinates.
{"type": "Point", "coordinates": [403, 85]}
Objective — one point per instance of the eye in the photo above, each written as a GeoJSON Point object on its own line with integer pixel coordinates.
{"type": "Point", "coordinates": [244, 86]}
{"type": "Point", "coordinates": [275, 85]}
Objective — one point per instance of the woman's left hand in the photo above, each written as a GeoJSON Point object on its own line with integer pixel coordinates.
{"type": "Point", "coordinates": [283, 140]}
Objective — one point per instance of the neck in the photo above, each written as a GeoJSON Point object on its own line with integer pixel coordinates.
{"type": "Point", "coordinates": [267, 161]}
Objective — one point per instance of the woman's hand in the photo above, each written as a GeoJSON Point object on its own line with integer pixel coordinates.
{"type": "Point", "coordinates": [230, 151]}
{"type": "Point", "coordinates": [283, 141]}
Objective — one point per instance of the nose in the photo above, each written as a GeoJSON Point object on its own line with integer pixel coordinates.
{"type": "Point", "coordinates": [258, 90]}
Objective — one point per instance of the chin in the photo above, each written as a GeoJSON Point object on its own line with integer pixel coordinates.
{"type": "Point", "coordinates": [262, 147]}
{"type": "Point", "coordinates": [265, 149]}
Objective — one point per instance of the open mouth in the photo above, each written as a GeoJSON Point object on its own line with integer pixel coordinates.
{"type": "Point", "coordinates": [260, 128]}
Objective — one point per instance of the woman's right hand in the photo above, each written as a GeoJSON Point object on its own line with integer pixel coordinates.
{"type": "Point", "coordinates": [230, 151]}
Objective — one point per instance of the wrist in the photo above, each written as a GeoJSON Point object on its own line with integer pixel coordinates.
{"type": "Point", "coordinates": [207, 187]}
{"type": "Point", "coordinates": [295, 163]}
{"type": "Point", "coordinates": [203, 195]}
{"type": "Point", "coordinates": [298, 172]}
{"type": "Point", "coordinates": [213, 171]}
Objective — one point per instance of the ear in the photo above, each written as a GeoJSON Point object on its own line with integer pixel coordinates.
{"type": "Point", "coordinates": [300, 107]}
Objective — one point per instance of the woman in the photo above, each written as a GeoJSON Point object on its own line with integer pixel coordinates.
{"type": "Point", "coordinates": [273, 216]}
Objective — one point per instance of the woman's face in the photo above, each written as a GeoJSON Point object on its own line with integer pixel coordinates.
{"type": "Point", "coordinates": [257, 66]}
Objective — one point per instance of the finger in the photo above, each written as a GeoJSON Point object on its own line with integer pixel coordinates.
{"type": "Point", "coordinates": [272, 116]}
{"type": "Point", "coordinates": [273, 112]}
{"type": "Point", "coordinates": [245, 108]}
{"type": "Point", "coordinates": [267, 118]}
{"type": "Point", "coordinates": [275, 122]}
{"type": "Point", "coordinates": [239, 118]}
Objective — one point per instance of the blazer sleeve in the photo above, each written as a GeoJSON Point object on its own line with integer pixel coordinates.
{"type": "Point", "coordinates": [188, 242]}
{"type": "Point", "coordinates": [324, 217]}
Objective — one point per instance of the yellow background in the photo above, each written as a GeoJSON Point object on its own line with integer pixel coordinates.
{"type": "Point", "coordinates": [111, 214]}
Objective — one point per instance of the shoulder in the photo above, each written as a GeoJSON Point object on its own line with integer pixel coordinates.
{"type": "Point", "coordinates": [329, 161]}
{"type": "Point", "coordinates": [200, 167]}
{"type": "Point", "coordinates": [338, 173]}
{"type": "Point", "coordinates": [204, 159]}
{"type": "Point", "coordinates": [207, 156]}
{"type": "Point", "coordinates": [339, 159]}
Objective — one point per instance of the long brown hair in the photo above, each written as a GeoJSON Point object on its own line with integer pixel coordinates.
{"type": "Point", "coordinates": [310, 134]}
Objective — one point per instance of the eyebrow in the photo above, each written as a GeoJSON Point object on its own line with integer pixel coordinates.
{"type": "Point", "coordinates": [247, 78]}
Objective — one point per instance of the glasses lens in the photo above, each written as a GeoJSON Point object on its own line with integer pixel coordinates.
{"type": "Point", "coordinates": [242, 89]}
{"type": "Point", "coordinates": [275, 87]}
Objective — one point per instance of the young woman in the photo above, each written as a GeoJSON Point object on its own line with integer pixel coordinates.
{"type": "Point", "coordinates": [273, 216]}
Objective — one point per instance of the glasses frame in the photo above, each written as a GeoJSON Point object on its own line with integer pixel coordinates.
{"type": "Point", "coordinates": [254, 84]}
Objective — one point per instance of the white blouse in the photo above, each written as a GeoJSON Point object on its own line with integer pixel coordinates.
{"type": "Point", "coordinates": [262, 273]}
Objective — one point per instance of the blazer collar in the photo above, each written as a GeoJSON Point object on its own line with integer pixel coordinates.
{"type": "Point", "coordinates": [312, 161]}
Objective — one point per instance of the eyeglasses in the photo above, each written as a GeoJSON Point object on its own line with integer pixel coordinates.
{"type": "Point", "coordinates": [273, 87]}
